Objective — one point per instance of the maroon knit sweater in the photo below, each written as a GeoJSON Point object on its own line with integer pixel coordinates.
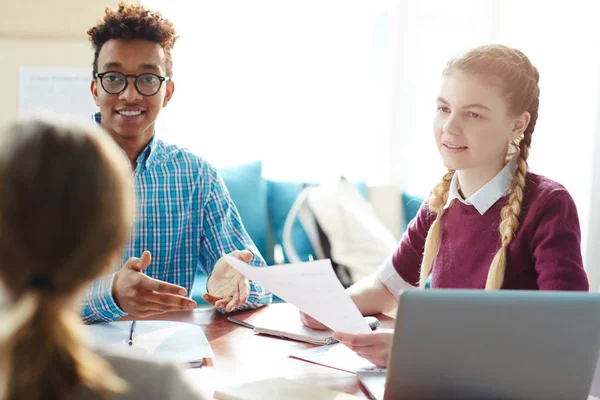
{"type": "Point", "coordinates": [545, 254]}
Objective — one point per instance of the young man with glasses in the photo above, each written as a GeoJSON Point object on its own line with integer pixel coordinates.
{"type": "Point", "coordinates": [185, 216]}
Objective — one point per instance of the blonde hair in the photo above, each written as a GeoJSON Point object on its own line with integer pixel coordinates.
{"type": "Point", "coordinates": [512, 71]}
{"type": "Point", "coordinates": [65, 210]}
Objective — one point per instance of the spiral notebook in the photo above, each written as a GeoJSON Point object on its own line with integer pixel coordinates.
{"type": "Point", "coordinates": [285, 324]}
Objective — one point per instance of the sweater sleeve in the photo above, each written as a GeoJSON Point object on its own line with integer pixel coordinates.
{"type": "Point", "coordinates": [409, 254]}
{"type": "Point", "coordinates": [556, 245]}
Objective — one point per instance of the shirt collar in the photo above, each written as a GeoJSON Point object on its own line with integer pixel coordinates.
{"type": "Point", "coordinates": [489, 194]}
{"type": "Point", "coordinates": [146, 155]}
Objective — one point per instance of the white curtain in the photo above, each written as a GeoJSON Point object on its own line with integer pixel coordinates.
{"type": "Point", "coordinates": [306, 86]}
{"type": "Point", "coordinates": [317, 88]}
{"type": "Point", "coordinates": [561, 38]}
{"type": "Point", "coordinates": [592, 260]}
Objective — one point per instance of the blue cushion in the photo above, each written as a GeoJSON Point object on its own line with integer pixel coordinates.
{"type": "Point", "coordinates": [281, 196]}
{"type": "Point", "coordinates": [249, 193]}
{"type": "Point", "coordinates": [410, 206]}
{"type": "Point", "coordinates": [199, 288]}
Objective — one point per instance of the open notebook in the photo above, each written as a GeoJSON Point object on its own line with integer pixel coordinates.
{"type": "Point", "coordinates": [285, 324]}
{"type": "Point", "coordinates": [163, 340]}
{"type": "Point", "coordinates": [279, 388]}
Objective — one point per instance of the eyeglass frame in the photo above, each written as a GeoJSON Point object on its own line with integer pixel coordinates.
{"type": "Point", "coordinates": [127, 76]}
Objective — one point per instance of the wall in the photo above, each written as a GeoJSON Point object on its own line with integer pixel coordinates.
{"type": "Point", "coordinates": [592, 260]}
{"type": "Point", "coordinates": [43, 33]}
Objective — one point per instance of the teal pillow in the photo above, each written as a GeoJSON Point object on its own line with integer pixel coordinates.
{"type": "Point", "coordinates": [199, 288]}
{"type": "Point", "coordinates": [281, 196]}
{"type": "Point", "coordinates": [249, 193]}
{"type": "Point", "coordinates": [410, 206]}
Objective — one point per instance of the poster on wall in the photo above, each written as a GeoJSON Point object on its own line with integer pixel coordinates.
{"type": "Point", "coordinates": [63, 91]}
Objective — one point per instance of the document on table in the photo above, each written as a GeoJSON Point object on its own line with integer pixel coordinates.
{"type": "Point", "coordinates": [279, 388]}
{"type": "Point", "coordinates": [335, 356]}
{"type": "Point", "coordinates": [313, 287]}
{"type": "Point", "coordinates": [163, 340]}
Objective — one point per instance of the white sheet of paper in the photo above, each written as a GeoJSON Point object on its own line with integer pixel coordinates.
{"type": "Point", "coordinates": [163, 340]}
{"type": "Point", "coordinates": [313, 287]}
{"type": "Point", "coordinates": [64, 91]}
{"type": "Point", "coordinates": [335, 356]}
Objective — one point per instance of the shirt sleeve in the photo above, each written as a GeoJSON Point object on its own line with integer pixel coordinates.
{"type": "Point", "coordinates": [556, 245]}
{"type": "Point", "coordinates": [390, 278]}
{"type": "Point", "coordinates": [99, 304]}
{"type": "Point", "coordinates": [408, 256]}
{"type": "Point", "coordinates": [223, 232]}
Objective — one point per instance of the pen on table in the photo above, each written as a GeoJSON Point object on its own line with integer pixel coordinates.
{"type": "Point", "coordinates": [131, 330]}
{"type": "Point", "coordinates": [240, 322]}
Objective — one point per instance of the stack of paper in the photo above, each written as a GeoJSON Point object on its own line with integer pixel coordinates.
{"type": "Point", "coordinates": [162, 340]}
{"type": "Point", "coordinates": [285, 323]}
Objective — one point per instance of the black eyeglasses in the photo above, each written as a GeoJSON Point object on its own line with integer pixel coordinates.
{"type": "Point", "coordinates": [147, 84]}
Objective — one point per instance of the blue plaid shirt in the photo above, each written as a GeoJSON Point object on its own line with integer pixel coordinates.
{"type": "Point", "coordinates": [185, 218]}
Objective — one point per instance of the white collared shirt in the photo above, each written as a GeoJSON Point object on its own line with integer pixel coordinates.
{"type": "Point", "coordinates": [391, 279]}
{"type": "Point", "coordinates": [490, 193]}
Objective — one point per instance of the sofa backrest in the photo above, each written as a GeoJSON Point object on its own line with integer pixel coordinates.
{"type": "Point", "coordinates": [264, 204]}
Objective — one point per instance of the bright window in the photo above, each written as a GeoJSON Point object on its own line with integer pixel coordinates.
{"type": "Point", "coordinates": [328, 87]}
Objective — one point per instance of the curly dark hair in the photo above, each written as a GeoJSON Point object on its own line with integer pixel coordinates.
{"type": "Point", "coordinates": [133, 22]}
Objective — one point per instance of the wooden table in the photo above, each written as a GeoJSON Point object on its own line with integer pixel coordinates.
{"type": "Point", "coordinates": [242, 357]}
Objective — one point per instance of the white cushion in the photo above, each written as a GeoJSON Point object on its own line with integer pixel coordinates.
{"type": "Point", "coordinates": [358, 238]}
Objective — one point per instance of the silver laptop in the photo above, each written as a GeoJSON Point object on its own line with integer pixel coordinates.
{"type": "Point", "coordinates": [473, 344]}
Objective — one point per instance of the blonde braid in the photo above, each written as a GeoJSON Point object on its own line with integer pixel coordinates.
{"type": "Point", "coordinates": [511, 211]}
{"type": "Point", "coordinates": [437, 201]}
